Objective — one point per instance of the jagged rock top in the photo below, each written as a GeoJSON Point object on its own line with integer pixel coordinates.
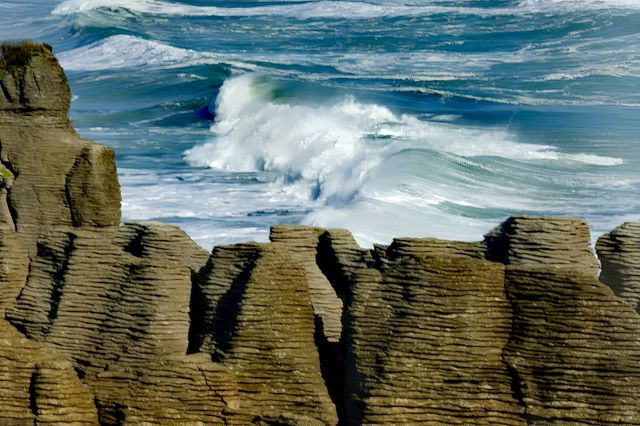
{"type": "Point", "coordinates": [619, 253]}
{"type": "Point", "coordinates": [49, 175]}
{"type": "Point", "coordinates": [558, 241]}
{"type": "Point", "coordinates": [31, 79]}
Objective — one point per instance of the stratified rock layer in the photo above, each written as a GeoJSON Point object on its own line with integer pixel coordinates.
{"type": "Point", "coordinates": [263, 329]}
{"type": "Point", "coordinates": [38, 385]}
{"type": "Point", "coordinates": [425, 338]}
{"type": "Point", "coordinates": [574, 350]}
{"type": "Point", "coordinates": [51, 176]}
{"type": "Point", "coordinates": [619, 253]}
{"type": "Point", "coordinates": [133, 324]}
{"type": "Point", "coordinates": [558, 241]}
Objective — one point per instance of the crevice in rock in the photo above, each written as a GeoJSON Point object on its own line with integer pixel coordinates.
{"type": "Point", "coordinates": [327, 261]}
{"type": "Point", "coordinates": [516, 387]}
{"type": "Point", "coordinates": [331, 367]}
{"type": "Point", "coordinates": [380, 258]}
{"type": "Point", "coordinates": [226, 312]}
{"type": "Point", "coordinates": [338, 358]}
{"type": "Point", "coordinates": [35, 80]}
{"type": "Point", "coordinates": [5, 92]}
{"type": "Point", "coordinates": [514, 377]}
{"type": "Point", "coordinates": [332, 355]}
{"type": "Point", "coordinates": [197, 308]}
{"type": "Point", "coordinates": [13, 212]}
{"type": "Point", "coordinates": [59, 279]}
{"type": "Point", "coordinates": [136, 245]}
{"type": "Point", "coordinates": [497, 243]}
{"type": "Point", "coordinates": [22, 83]}
{"type": "Point", "coordinates": [20, 327]}
{"type": "Point", "coordinates": [33, 404]}
{"type": "Point", "coordinates": [69, 199]}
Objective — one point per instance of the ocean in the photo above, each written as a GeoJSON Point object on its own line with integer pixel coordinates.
{"type": "Point", "coordinates": [386, 117]}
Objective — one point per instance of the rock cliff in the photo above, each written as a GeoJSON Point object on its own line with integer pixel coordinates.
{"type": "Point", "coordinates": [120, 324]}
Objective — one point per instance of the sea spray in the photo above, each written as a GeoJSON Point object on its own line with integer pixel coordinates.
{"type": "Point", "coordinates": [395, 117]}
{"type": "Point", "coordinates": [327, 152]}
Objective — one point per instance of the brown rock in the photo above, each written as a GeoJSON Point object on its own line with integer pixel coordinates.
{"type": "Point", "coordinates": [327, 306]}
{"type": "Point", "coordinates": [574, 351]}
{"type": "Point", "coordinates": [425, 344]}
{"type": "Point", "coordinates": [542, 240]}
{"type": "Point", "coordinates": [619, 254]}
{"type": "Point", "coordinates": [50, 177]}
{"type": "Point", "coordinates": [39, 387]}
{"type": "Point", "coordinates": [262, 327]}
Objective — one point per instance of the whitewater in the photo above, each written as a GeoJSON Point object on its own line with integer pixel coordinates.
{"type": "Point", "coordinates": [388, 118]}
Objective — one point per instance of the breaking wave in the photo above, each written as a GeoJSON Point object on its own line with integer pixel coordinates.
{"type": "Point", "coordinates": [327, 152]}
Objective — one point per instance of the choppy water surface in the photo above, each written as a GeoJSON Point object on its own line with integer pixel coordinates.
{"type": "Point", "coordinates": [388, 118]}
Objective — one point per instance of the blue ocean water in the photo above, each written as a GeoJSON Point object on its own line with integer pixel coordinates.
{"type": "Point", "coordinates": [386, 117]}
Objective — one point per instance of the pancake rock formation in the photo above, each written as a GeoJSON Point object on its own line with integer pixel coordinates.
{"type": "Point", "coordinates": [125, 324]}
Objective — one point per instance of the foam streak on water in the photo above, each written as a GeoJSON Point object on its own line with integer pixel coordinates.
{"type": "Point", "coordinates": [387, 117]}
{"type": "Point", "coordinates": [339, 9]}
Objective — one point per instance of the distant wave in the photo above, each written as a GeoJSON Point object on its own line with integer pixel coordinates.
{"type": "Point", "coordinates": [327, 152]}
{"type": "Point", "coordinates": [123, 51]}
{"type": "Point", "coordinates": [126, 51]}
{"type": "Point", "coordinates": [336, 9]}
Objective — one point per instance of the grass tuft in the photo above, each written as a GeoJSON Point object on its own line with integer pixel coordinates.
{"type": "Point", "coordinates": [18, 54]}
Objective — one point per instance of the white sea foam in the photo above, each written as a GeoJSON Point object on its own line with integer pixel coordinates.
{"type": "Point", "coordinates": [571, 5]}
{"type": "Point", "coordinates": [124, 51]}
{"type": "Point", "coordinates": [336, 9]}
{"type": "Point", "coordinates": [304, 10]}
{"type": "Point", "coordinates": [327, 152]}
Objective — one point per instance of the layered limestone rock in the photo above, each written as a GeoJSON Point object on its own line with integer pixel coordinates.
{"type": "Point", "coordinates": [115, 324]}
{"type": "Point", "coordinates": [37, 386]}
{"type": "Point", "coordinates": [558, 241]}
{"type": "Point", "coordinates": [574, 350]}
{"type": "Point", "coordinates": [51, 177]}
{"type": "Point", "coordinates": [259, 321]}
{"type": "Point", "coordinates": [425, 340]}
{"type": "Point", "coordinates": [619, 254]}
{"type": "Point", "coordinates": [327, 306]}
{"type": "Point", "coordinates": [422, 310]}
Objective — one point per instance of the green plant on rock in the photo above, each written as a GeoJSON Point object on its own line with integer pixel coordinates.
{"type": "Point", "coordinates": [19, 54]}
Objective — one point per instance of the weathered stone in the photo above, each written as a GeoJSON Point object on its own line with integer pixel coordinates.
{"type": "Point", "coordinates": [104, 295]}
{"type": "Point", "coordinates": [14, 267]}
{"type": "Point", "coordinates": [425, 344]}
{"type": "Point", "coordinates": [327, 306]}
{"type": "Point", "coordinates": [38, 86]}
{"type": "Point", "coordinates": [51, 177]}
{"type": "Point", "coordinates": [262, 327]}
{"type": "Point", "coordinates": [574, 348]}
{"type": "Point", "coordinates": [542, 240]}
{"type": "Point", "coordinates": [619, 254]}
{"type": "Point", "coordinates": [39, 387]}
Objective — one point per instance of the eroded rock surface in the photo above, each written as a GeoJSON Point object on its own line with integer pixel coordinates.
{"type": "Point", "coordinates": [558, 241]}
{"type": "Point", "coordinates": [51, 176]}
{"type": "Point", "coordinates": [619, 253]}
{"type": "Point", "coordinates": [103, 323]}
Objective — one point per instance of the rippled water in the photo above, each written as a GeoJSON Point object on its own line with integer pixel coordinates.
{"type": "Point", "coordinates": [388, 118]}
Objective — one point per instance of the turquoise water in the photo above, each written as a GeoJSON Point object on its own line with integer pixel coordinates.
{"type": "Point", "coordinates": [389, 118]}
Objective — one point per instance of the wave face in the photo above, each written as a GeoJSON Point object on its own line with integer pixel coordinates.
{"type": "Point", "coordinates": [341, 9]}
{"type": "Point", "coordinates": [389, 118]}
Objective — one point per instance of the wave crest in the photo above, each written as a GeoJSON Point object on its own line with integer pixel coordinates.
{"type": "Point", "coordinates": [327, 152]}
{"type": "Point", "coordinates": [338, 9]}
